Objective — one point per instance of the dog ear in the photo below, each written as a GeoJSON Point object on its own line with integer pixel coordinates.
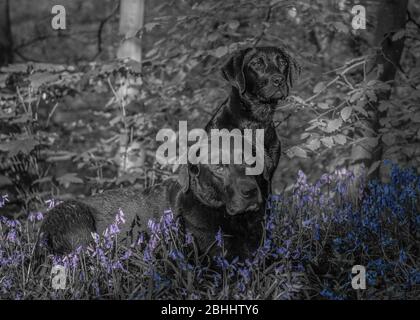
{"type": "Point", "coordinates": [184, 178]}
{"type": "Point", "coordinates": [186, 172]}
{"type": "Point", "coordinates": [293, 71]}
{"type": "Point", "coordinates": [293, 68]}
{"type": "Point", "coordinates": [194, 169]}
{"type": "Point", "coordinates": [233, 70]}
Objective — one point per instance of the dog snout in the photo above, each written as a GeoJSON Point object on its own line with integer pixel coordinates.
{"type": "Point", "coordinates": [252, 207]}
{"type": "Point", "coordinates": [251, 192]}
{"type": "Point", "coordinates": [277, 80]}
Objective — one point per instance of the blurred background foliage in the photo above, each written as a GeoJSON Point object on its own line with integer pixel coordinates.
{"type": "Point", "coordinates": [74, 119]}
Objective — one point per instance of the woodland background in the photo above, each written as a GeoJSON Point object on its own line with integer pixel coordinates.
{"type": "Point", "coordinates": [76, 117]}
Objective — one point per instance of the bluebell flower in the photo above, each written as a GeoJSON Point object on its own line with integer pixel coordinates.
{"type": "Point", "coordinates": [371, 277]}
{"type": "Point", "coordinates": [402, 256]}
{"type": "Point", "coordinates": [127, 254]}
{"type": "Point", "coordinates": [240, 286]}
{"type": "Point", "coordinates": [317, 232]}
{"type": "Point", "coordinates": [3, 200]}
{"type": "Point", "coordinates": [414, 277]}
{"type": "Point", "coordinates": [189, 238]}
{"type": "Point", "coordinates": [300, 268]}
{"type": "Point", "coordinates": [245, 273]}
{"type": "Point", "coordinates": [6, 284]}
{"type": "Point", "coordinates": [12, 236]}
{"type": "Point", "coordinates": [176, 255]}
{"type": "Point", "coordinates": [279, 269]}
{"type": "Point", "coordinates": [219, 238]}
{"type": "Point", "coordinates": [327, 293]}
{"type": "Point", "coordinates": [221, 262]}
{"type": "Point", "coordinates": [307, 223]}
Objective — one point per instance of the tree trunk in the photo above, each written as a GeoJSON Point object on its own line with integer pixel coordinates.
{"type": "Point", "coordinates": [6, 43]}
{"type": "Point", "coordinates": [131, 21]}
{"type": "Point", "coordinates": [389, 17]}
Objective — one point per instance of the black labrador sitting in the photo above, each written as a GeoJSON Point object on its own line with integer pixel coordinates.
{"type": "Point", "coordinates": [259, 78]}
{"type": "Point", "coordinates": [205, 198]}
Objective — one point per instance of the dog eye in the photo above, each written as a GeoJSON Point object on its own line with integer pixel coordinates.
{"type": "Point", "coordinates": [258, 63]}
{"type": "Point", "coordinates": [220, 168]}
{"type": "Point", "coordinates": [281, 61]}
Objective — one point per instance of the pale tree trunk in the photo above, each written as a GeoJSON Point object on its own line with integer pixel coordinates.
{"type": "Point", "coordinates": [131, 22]}
{"type": "Point", "coordinates": [6, 43]}
{"type": "Point", "coordinates": [131, 154]}
{"type": "Point", "coordinates": [389, 16]}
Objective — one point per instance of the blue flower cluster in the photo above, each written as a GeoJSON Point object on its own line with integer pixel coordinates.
{"type": "Point", "coordinates": [312, 239]}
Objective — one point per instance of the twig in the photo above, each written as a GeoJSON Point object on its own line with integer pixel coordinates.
{"type": "Point", "coordinates": [410, 18]}
{"type": "Point", "coordinates": [340, 75]}
{"type": "Point", "coordinates": [51, 113]}
{"type": "Point", "coordinates": [101, 26]}
{"type": "Point", "coordinates": [266, 20]}
{"type": "Point", "coordinates": [25, 58]}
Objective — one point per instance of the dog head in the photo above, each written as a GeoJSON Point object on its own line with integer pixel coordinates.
{"type": "Point", "coordinates": [266, 73]}
{"type": "Point", "coordinates": [222, 185]}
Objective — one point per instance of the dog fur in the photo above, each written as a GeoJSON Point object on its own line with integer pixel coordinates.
{"type": "Point", "coordinates": [204, 198]}
{"type": "Point", "coordinates": [259, 78]}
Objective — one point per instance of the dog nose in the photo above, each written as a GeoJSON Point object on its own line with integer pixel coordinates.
{"type": "Point", "coordinates": [277, 80]}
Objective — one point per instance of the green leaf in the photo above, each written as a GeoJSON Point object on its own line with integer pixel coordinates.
{"type": "Point", "coordinates": [49, 67]}
{"type": "Point", "coordinates": [3, 78]}
{"type": "Point", "coordinates": [371, 141]}
{"type": "Point", "coordinates": [314, 144]}
{"type": "Point", "coordinates": [356, 96]}
{"type": "Point", "coordinates": [16, 68]}
{"type": "Point", "coordinates": [393, 149]}
{"type": "Point", "coordinates": [346, 113]}
{"type": "Point", "coordinates": [398, 35]}
{"type": "Point", "coordinates": [61, 156]}
{"type": "Point", "coordinates": [374, 166]}
{"type": "Point", "coordinates": [384, 105]}
{"type": "Point", "coordinates": [328, 142]}
{"type": "Point", "coordinates": [305, 135]}
{"type": "Point", "coordinates": [380, 69]}
{"type": "Point", "coordinates": [21, 145]}
{"type": "Point", "coordinates": [323, 105]}
{"type": "Point", "coordinates": [388, 139]}
{"type": "Point", "coordinates": [274, 2]}
{"type": "Point", "coordinates": [416, 117]}
{"type": "Point", "coordinates": [360, 109]}
{"type": "Point", "coordinates": [219, 52]}
{"type": "Point", "coordinates": [298, 99]}
{"type": "Point", "coordinates": [5, 181]}
{"type": "Point", "coordinates": [333, 125]}
{"type": "Point", "coordinates": [319, 87]}
{"type": "Point", "coordinates": [39, 79]}
{"type": "Point", "coordinates": [150, 26]}
{"type": "Point", "coordinates": [23, 118]}
{"type": "Point", "coordinates": [68, 179]}
{"type": "Point", "coordinates": [213, 36]}
{"type": "Point", "coordinates": [234, 24]}
{"type": "Point", "coordinates": [371, 95]}
{"type": "Point", "coordinates": [151, 52]}
{"type": "Point", "coordinates": [296, 152]}
{"type": "Point", "coordinates": [340, 139]}
{"type": "Point", "coordinates": [341, 27]}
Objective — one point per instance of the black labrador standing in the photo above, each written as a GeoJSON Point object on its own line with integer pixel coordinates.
{"type": "Point", "coordinates": [259, 78]}
{"type": "Point", "coordinates": [205, 198]}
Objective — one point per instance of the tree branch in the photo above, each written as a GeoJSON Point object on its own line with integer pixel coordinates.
{"type": "Point", "coordinates": [410, 18]}
{"type": "Point", "coordinates": [101, 26]}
